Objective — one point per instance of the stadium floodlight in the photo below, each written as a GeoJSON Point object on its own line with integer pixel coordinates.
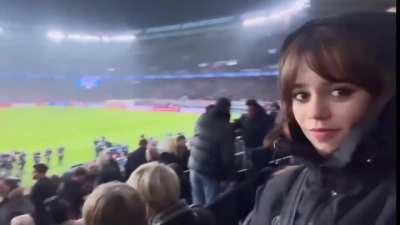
{"type": "Point", "coordinates": [231, 62]}
{"type": "Point", "coordinates": [123, 38]}
{"type": "Point", "coordinates": [202, 65]}
{"type": "Point", "coordinates": [56, 36]}
{"type": "Point", "coordinates": [90, 38]}
{"type": "Point", "coordinates": [272, 51]}
{"type": "Point", "coordinates": [105, 39]}
{"type": "Point", "coordinates": [75, 37]}
{"type": "Point", "coordinates": [262, 19]}
{"type": "Point", "coordinates": [254, 21]}
{"type": "Point", "coordinates": [389, 10]}
{"type": "Point", "coordinates": [84, 38]}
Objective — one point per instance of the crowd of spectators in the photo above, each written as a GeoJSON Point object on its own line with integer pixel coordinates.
{"type": "Point", "coordinates": [27, 89]}
{"type": "Point", "coordinates": [335, 127]}
{"type": "Point", "coordinates": [159, 188]}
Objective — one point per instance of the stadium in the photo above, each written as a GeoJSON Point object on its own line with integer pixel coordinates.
{"type": "Point", "coordinates": [83, 82]}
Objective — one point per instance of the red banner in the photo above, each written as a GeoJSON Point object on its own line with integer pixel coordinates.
{"type": "Point", "coordinates": [166, 109]}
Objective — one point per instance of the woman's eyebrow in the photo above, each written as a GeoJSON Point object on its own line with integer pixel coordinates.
{"type": "Point", "coordinates": [299, 85]}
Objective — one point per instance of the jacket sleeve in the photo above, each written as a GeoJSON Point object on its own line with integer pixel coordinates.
{"type": "Point", "coordinates": [271, 195]}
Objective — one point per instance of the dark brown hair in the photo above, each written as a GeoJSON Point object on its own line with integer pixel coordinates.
{"type": "Point", "coordinates": [356, 48]}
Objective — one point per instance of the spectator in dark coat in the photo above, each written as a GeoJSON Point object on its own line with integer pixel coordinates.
{"type": "Point", "coordinates": [338, 88]}
{"type": "Point", "coordinates": [73, 190]}
{"type": "Point", "coordinates": [211, 159]}
{"type": "Point", "coordinates": [182, 152]}
{"type": "Point", "coordinates": [254, 125]}
{"type": "Point", "coordinates": [13, 201]}
{"type": "Point", "coordinates": [42, 189]}
{"type": "Point", "coordinates": [59, 211]}
{"type": "Point", "coordinates": [109, 171]}
{"type": "Point", "coordinates": [184, 182]}
{"type": "Point", "coordinates": [136, 158]}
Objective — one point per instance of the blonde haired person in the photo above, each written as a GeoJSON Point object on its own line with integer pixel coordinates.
{"type": "Point", "coordinates": [177, 152]}
{"type": "Point", "coordinates": [159, 186]}
{"type": "Point", "coordinates": [114, 203]}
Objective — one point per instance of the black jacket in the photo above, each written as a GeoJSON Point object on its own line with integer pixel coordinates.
{"type": "Point", "coordinates": [14, 206]}
{"type": "Point", "coordinates": [212, 152]}
{"type": "Point", "coordinates": [73, 192]}
{"type": "Point", "coordinates": [298, 196]}
{"type": "Point", "coordinates": [167, 158]}
{"type": "Point", "coordinates": [182, 214]}
{"type": "Point", "coordinates": [41, 190]}
{"type": "Point", "coordinates": [109, 172]}
{"type": "Point", "coordinates": [362, 191]}
{"type": "Point", "coordinates": [135, 159]}
{"type": "Point", "coordinates": [253, 130]}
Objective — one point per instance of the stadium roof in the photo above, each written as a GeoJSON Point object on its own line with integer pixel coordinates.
{"type": "Point", "coordinates": [134, 14]}
{"type": "Point", "coordinates": [180, 36]}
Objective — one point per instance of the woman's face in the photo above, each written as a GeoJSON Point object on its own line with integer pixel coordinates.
{"type": "Point", "coordinates": [327, 111]}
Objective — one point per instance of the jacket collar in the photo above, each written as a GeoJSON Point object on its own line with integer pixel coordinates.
{"type": "Point", "coordinates": [170, 213]}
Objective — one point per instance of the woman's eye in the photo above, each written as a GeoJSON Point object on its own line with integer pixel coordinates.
{"type": "Point", "coordinates": [301, 96]}
{"type": "Point", "coordinates": [341, 92]}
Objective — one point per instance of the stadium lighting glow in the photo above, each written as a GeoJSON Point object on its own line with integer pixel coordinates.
{"type": "Point", "coordinates": [56, 36]}
{"type": "Point", "coordinates": [105, 39]}
{"type": "Point", "coordinates": [231, 62]}
{"type": "Point", "coordinates": [290, 11]}
{"type": "Point", "coordinates": [123, 38]}
{"type": "Point", "coordinates": [272, 51]}
{"type": "Point", "coordinates": [1, 30]}
{"type": "Point", "coordinates": [201, 65]}
{"type": "Point", "coordinates": [254, 21]}
{"type": "Point", "coordinates": [389, 10]}
{"type": "Point", "coordinates": [90, 38]}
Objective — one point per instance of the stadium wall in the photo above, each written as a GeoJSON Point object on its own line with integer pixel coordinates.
{"type": "Point", "coordinates": [143, 105]}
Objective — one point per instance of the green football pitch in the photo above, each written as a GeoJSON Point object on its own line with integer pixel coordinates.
{"type": "Point", "coordinates": [35, 129]}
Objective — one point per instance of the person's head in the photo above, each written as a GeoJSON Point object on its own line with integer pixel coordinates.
{"type": "Point", "coordinates": [209, 107]}
{"type": "Point", "coordinates": [56, 179]}
{"type": "Point", "coordinates": [142, 143]}
{"type": "Point", "coordinates": [114, 203]}
{"type": "Point", "coordinates": [181, 140]}
{"type": "Point", "coordinates": [252, 107]}
{"type": "Point", "coordinates": [158, 184]}
{"type": "Point", "coordinates": [79, 174]}
{"type": "Point", "coordinates": [152, 152]}
{"type": "Point", "coordinates": [58, 209]}
{"type": "Point", "coordinates": [39, 171]}
{"type": "Point", "coordinates": [223, 104]}
{"type": "Point", "coordinates": [336, 74]}
{"type": "Point", "coordinates": [274, 107]}
{"type": "Point", "coordinates": [7, 185]}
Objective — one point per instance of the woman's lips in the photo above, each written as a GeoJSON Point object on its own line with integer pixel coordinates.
{"type": "Point", "coordinates": [324, 134]}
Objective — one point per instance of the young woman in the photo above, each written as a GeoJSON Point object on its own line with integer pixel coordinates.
{"type": "Point", "coordinates": [338, 91]}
